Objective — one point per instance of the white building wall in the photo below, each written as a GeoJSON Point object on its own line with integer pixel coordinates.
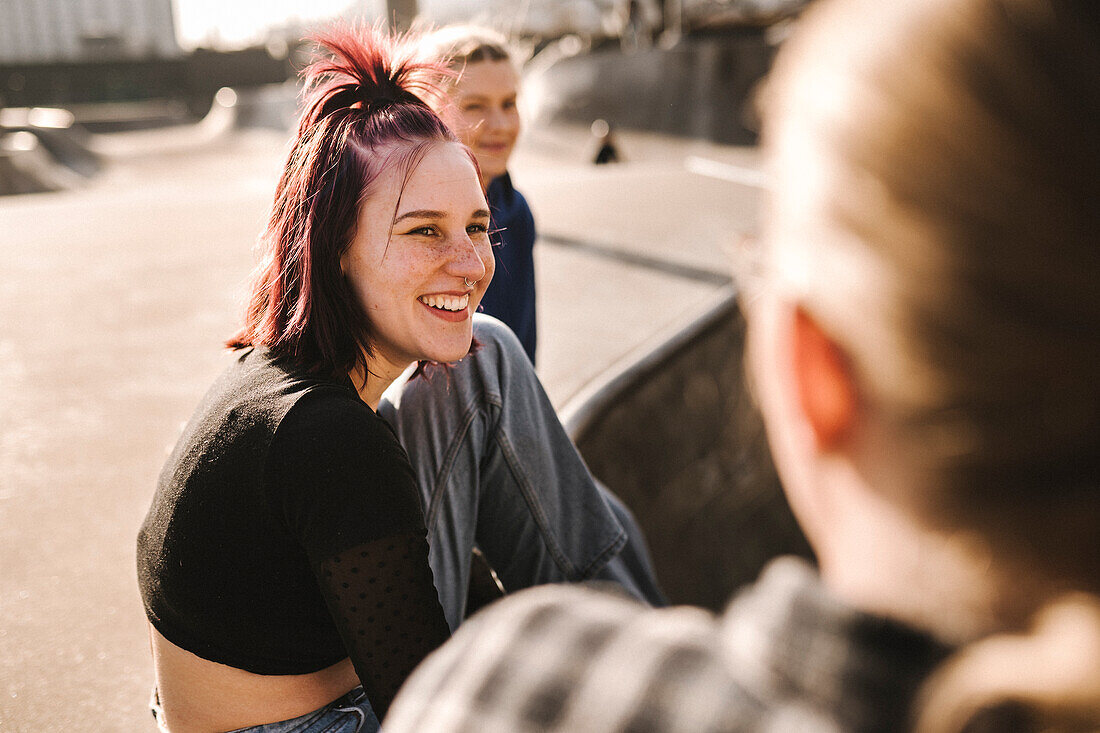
{"type": "Point", "coordinates": [42, 31]}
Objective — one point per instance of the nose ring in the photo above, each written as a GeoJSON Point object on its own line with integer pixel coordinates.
{"type": "Point", "coordinates": [468, 283]}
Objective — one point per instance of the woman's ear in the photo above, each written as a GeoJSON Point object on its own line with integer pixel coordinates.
{"type": "Point", "coordinates": [826, 386]}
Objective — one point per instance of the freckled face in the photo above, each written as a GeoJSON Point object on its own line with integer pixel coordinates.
{"type": "Point", "coordinates": [481, 111]}
{"type": "Point", "coordinates": [409, 271]}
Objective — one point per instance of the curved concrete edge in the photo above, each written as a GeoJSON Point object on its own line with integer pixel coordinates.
{"type": "Point", "coordinates": [26, 166]}
{"type": "Point", "coordinates": [43, 150]}
{"type": "Point", "coordinates": [579, 413]}
{"type": "Point", "coordinates": [221, 119]}
{"type": "Point", "coordinates": [66, 155]}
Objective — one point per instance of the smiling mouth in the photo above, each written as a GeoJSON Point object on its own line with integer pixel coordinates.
{"type": "Point", "coordinates": [452, 303]}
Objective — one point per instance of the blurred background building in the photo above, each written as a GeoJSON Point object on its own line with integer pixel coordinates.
{"type": "Point", "coordinates": [686, 68]}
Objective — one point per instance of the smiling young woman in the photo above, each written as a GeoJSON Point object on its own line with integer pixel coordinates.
{"type": "Point", "coordinates": [310, 537]}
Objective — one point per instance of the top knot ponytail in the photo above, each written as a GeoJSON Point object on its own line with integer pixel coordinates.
{"type": "Point", "coordinates": [362, 67]}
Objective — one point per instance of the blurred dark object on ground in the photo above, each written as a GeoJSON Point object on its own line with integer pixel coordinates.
{"type": "Point", "coordinates": [675, 434]}
{"type": "Point", "coordinates": [606, 152]}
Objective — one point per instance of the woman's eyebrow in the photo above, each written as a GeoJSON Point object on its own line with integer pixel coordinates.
{"type": "Point", "coordinates": [436, 214]}
{"type": "Point", "coordinates": [421, 214]}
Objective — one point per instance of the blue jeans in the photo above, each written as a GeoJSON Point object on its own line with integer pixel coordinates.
{"type": "Point", "coordinates": [348, 714]}
{"type": "Point", "coordinates": [496, 470]}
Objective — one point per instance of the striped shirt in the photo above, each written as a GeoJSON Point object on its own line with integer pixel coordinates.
{"type": "Point", "coordinates": [785, 656]}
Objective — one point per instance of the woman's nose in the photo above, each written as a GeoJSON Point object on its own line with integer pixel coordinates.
{"type": "Point", "coordinates": [498, 119]}
{"type": "Point", "coordinates": [472, 259]}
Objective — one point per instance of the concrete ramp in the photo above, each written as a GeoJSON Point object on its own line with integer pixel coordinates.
{"type": "Point", "coordinates": [26, 166]}
{"type": "Point", "coordinates": [700, 88]}
{"type": "Point", "coordinates": [42, 150]}
{"type": "Point", "coordinates": [673, 432]}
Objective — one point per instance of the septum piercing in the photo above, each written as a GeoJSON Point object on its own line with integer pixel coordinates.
{"type": "Point", "coordinates": [468, 283]}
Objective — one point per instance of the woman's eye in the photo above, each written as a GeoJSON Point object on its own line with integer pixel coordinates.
{"type": "Point", "coordinates": [423, 231]}
{"type": "Point", "coordinates": [474, 107]}
{"type": "Point", "coordinates": [478, 229]}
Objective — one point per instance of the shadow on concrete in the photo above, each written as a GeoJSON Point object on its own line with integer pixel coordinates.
{"type": "Point", "coordinates": [674, 433]}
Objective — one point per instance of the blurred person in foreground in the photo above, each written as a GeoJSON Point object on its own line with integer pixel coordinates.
{"type": "Point", "coordinates": [924, 334]}
{"type": "Point", "coordinates": [480, 105]}
{"type": "Point", "coordinates": [311, 534]}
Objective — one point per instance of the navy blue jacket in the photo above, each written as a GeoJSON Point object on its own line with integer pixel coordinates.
{"type": "Point", "coordinates": [511, 295]}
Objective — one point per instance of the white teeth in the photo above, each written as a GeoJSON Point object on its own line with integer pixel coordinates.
{"type": "Point", "coordinates": [446, 302]}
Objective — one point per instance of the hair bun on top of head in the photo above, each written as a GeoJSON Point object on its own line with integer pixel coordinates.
{"type": "Point", "coordinates": [359, 66]}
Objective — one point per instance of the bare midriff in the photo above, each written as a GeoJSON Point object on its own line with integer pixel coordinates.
{"type": "Point", "coordinates": [200, 696]}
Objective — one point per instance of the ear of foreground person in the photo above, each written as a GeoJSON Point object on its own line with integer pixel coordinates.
{"type": "Point", "coordinates": [922, 339]}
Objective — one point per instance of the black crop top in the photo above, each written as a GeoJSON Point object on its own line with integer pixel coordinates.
{"type": "Point", "coordinates": [286, 534]}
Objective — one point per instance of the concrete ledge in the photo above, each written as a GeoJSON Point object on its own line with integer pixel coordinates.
{"type": "Point", "coordinates": [700, 89]}
{"type": "Point", "coordinates": [673, 432]}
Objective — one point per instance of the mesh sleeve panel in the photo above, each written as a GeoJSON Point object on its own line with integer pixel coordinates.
{"type": "Point", "coordinates": [385, 607]}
